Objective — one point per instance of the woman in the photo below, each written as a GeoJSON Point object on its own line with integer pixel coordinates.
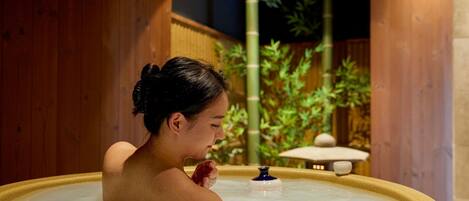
{"type": "Point", "coordinates": [183, 106]}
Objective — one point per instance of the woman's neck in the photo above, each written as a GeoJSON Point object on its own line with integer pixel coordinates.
{"type": "Point", "coordinates": [161, 152]}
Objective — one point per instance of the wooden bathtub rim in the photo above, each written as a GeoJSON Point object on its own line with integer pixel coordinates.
{"type": "Point", "coordinates": [393, 190]}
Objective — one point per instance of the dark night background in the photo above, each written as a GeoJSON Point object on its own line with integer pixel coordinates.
{"type": "Point", "coordinates": [351, 19]}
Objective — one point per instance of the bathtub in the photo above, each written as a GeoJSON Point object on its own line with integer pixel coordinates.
{"type": "Point", "coordinates": [298, 184]}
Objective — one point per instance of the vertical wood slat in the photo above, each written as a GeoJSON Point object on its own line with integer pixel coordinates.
{"type": "Point", "coordinates": [90, 94]}
{"type": "Point", "coordinates": [430, 88]}
{"type": "Point", "coordinates": [24, 130]}
{"type": "Point", "coordinates": [110, 71]}
{"type": "Point", "coordinates": [160, 30]}
{"type": "Point", "coordinates": [3, 165]}
{"type": "Point", "coordinates": [430, 24]}
{"type": "Point", "coordinates": [69, 88]}
{"type": "Point", "coordinates": [418, 41]}
{"type": "Point", "coordinates": [128, 24]}
{"type": "Point", "coordinates": [422, 135]}
{"type": "Point", "coordinates": [16, 90]}
{"type": "Point", "coordinates": [400, 91]}
{"type": "Point", "coordinates": [61, 76]}
{"type": "Point", "coordinates": [380, 82]}
{"type": "Point", "coordinates": [44, 112]}
{"type": "Point", "coordinates": [192, 39]}
{"type": "Point", "coordinates": [2, 32]}
{"type": "Point", "coordinates": [444, 138]}
{"type": "Point", "coordinates": [410, 94]}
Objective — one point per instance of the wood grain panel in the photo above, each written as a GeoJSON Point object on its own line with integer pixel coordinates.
{"type": "Point", "coordinates": [435, 166]}
{"type": "Point", "coordinates": [2, 35]}
{"type": "Point", "coordinates": [67, 70]}
{"type": "Point", "coordinates": [443, 143]}
{"type": "Point", "coordinates": [192, 39]}
{"type": "Point", "coordinates": [380, 93]}
{"type": "Point", "coordinates": [418, 92]}
{"type": "Point", "coordinates": [69, 78]}
{"type": "Point", "coordinates": [160, 30]}
{"type": "Point", "coordinates": [110, 71]}
{"type": "Point", "coordinates": [16, 93]}
{"type": "Point", "coordinates": [90, 95]}
{"type": "Point", "coordinates": [44, 92]}
{"type": "Point", "coordinates": [131, 13]}
{"type": "Point", "coordinates": [410, 127]}
{"type": "Point", "coordinates": [400, 91]}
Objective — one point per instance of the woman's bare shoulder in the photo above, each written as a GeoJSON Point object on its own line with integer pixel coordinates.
{"type": "Point", "coordinates": [115, 157]}
{"type": "Point", "coordinates": [175, 182]}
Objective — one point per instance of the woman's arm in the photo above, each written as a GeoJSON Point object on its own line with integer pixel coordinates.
{"type": "Point", "coordinates": [113, 164]}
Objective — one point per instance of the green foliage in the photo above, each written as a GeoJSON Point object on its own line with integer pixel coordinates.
{"type": "Point", "coordinates": [303, 16]}
{"type": "Point", "coordinates": [233, 146]}
{"type": "Point", "coordinates": [234, 59]}
{"type": "Point", "coordinates": [300, 21]}
{"type": "Point", "coordinates": [287, 109]}
{"type": "Point", "coordinates": [285, 116]}
{"type": "Point", "coordinates": [273, 3]}
{"type": "Point", "coordinates": [353, 86]}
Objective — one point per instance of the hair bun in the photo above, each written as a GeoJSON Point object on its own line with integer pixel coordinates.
{"type": "Point", "coordinates": [149, 71]}
{"type": "Point", "coordinates": [139, 95]}
{"type": "Point", "coordinates": [138, 98]}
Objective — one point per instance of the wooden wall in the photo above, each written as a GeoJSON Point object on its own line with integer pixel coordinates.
{"type": "Point", "coordinates": [67, 70]}
{"type": "Point", "coordinates": [192, 39]}
{"type": "Point", "coordinates": [411, 54]}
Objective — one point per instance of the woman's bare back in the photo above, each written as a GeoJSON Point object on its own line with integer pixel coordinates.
{"type": "Point", "coordinates": [127, 178]}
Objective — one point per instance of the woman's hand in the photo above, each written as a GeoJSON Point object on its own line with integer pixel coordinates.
{"type": "Point", "coordinates": [205, 174]}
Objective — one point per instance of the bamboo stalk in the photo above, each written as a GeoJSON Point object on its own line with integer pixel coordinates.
{"type": "Point", "coordinates": [327, 56]}
{"type": "Point", "coordinates": [252, 47]}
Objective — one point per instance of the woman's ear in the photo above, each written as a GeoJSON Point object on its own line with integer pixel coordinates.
{"type": "Point", "coordinates": [176, 122]}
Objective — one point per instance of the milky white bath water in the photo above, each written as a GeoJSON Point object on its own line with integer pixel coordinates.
{"type": "Point", "coordinates": [229, 189]}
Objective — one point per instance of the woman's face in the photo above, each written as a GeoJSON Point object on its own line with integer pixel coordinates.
{"type": "Point", "coordinates": [206, 128]}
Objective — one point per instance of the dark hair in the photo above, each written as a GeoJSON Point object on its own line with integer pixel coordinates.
{"type": "Point", "coordinates": [182, 85]}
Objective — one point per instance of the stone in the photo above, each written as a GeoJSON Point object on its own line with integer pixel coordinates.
{"type": "Point", "coordinates": [342, 167]}
{"type": "Point", "coordinates": [324, 140]}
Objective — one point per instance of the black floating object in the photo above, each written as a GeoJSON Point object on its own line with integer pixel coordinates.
{"type": "Point", "coordinates": [264, 174]}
